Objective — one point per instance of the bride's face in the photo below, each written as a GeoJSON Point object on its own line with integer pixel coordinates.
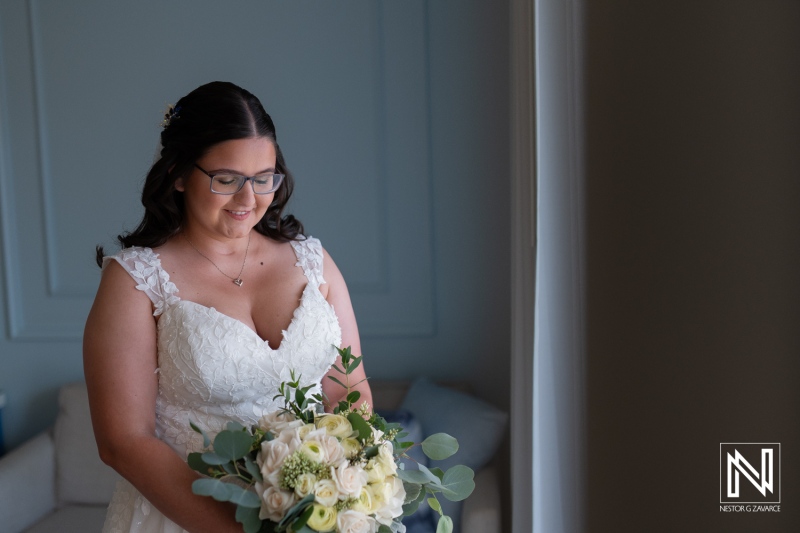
{"type": "Point", "coordinates": [228, 216]}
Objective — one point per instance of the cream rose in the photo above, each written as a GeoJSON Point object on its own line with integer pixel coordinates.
{"type": "Point", "coordinates": [274, 502]}
{"type": "Point", "coordinates": [305, 430]}
{"type": "Point", "coordinates": [354, 522]}
{"type": "Point", "coordinates": [349, 479]}
{"type": "Point", "coordinates": [290, 437]}
{"type": "Point", "coordinates": [277, 421]}
{"type": "Point", "coordinates": [322, 518]}
{"type": "Point", "coordinates": [270, 459]}
{"type": "Point", "coordinates": [325, 493]}
{"type": "Point", "coordinates": [392, 506]}
{"type": "Point", "coordinates": [335, 425]}
{"type": "Point", "coordinates": [305, 485]}
{"type": "Point", "coordinates": [334, 453]}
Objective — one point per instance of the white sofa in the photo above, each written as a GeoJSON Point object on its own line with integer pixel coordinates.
{"type": "Point", "coordinates": [56, 483]}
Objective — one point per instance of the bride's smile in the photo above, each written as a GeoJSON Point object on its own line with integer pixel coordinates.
{"type": "Point", "coordinates": [227, 216]}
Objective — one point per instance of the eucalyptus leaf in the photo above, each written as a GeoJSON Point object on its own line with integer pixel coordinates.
{"type": "Point", "coordinates": [232, 445]}
{"type": "Point", "coordinates": [212, 487]}
{"type": "Point", "coordinates": [412, 491]}
{"type": "Point", "coordinates": [248, 517]}
{"type": "Point", "coordinates": [458, 483]}
{"type": "Point", "coordinates": [438, 472]}
{"type": "Point", "coordinates": [435, 505]}
{"type": "Point", "coordinates": [445, 524]}
{"type": "Point", "coordinates": [302, 520]}
{"type": "Point", "coordinates": [196, 462]}
{"type": "Point", "coordinates": [214, 459]}
{"type": "Point", "coordinates": [206, 440]}
{"type": "Point", "coordinates": [360, 425]}
{"type": "Point", "coordinates": [432, 478]}
{"type": "Point", "coordinates": [439, 446]}
{"type": "Point", "coordinates": [252, 468]}
{"type": "Point", "coordinates": [384, 529]}
{"type": "Point", "coordinates": [411, 507]}
{"type": "Point", "coordinates": [243, 497]}
{"type": "Point", "coordinates": [413, 476]}
{"type": "Point", "coordinates": [353, 396]}
{"type": "Point", "coordinates": [298, 509]}
{"type": "Point", "coordinates": [234, 426]}
{"type": "Point", "coordinates": [371, 451]}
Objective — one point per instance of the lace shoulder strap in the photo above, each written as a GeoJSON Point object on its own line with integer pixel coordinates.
{"type": "Point", "coordinates": [144, 267]}
{"type": "Point", "coordinates": [309, 258]}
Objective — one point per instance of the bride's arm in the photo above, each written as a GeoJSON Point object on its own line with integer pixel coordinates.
{"type": "Point", "coordinates": [339, 298]}
{"type": "Point", "coordinates": [120, 362]}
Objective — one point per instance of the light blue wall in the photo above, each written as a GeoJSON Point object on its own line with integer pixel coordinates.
{"type": "Point", "coordinates": [393, 117]}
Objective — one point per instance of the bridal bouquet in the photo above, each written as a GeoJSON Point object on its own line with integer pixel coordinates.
{"type": "Point", "coordinates": [301, 471]}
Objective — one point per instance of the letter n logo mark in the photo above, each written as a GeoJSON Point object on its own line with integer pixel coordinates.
{"type": "Point", "coordinates": [749, 472]}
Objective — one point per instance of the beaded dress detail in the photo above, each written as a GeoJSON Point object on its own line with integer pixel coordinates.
{"type": "Point", "coordinates": [213, 368]}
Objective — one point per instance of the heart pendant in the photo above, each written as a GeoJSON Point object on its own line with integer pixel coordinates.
{"type": "Point", "coordinates": [238, 281]}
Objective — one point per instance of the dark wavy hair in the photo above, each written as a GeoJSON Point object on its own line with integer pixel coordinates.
{"type": "Point", "coordinates": [213, 113]}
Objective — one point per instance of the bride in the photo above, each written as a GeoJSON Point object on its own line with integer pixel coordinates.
{"type": "Point", "coordinates": [214, 299]}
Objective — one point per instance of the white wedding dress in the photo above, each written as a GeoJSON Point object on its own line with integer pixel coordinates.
{"type": "Point", "coordinates": [213, 368]}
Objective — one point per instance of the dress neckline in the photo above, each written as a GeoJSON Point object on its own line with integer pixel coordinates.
{"type": "Point", "coordinates": [164, 275]}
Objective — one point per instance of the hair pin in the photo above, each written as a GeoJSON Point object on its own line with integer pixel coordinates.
{"type": "Point", "coordinates": [170, 115]}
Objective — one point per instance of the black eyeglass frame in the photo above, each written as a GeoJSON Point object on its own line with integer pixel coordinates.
{"type": "Point", "coordinates": [278, 178]}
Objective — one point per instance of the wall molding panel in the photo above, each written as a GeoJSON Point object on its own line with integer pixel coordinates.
{"type": "Point", "coordinates": [78, 130]}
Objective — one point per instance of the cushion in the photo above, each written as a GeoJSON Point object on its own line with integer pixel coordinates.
{"type": "Point", "coordinates": [81, 477]}
{"type": "Point", "coordinates": [478, 426]}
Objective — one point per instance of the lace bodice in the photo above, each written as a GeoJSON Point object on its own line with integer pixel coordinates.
{"type": "Point", "coordinates": [213, 368]}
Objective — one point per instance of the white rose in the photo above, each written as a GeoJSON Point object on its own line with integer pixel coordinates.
{"type": "Point", "coordinates": [325, 493]}
{"type": "Point", "coordinates": [393, 494]}
{"type": "Point", "coordinates": [375, 471]}
{"type": "Point", "coordinates": [290, 437]}
{"type": "Point", "coordinates": [386, 458]}
{"type": "Point", "coordinates": [335, 425]}
{"type": "Point", "coordinates": [270, 459]}
{"type": "Point", "coordinates": [274, 502]}
{"type": "Point", "coordinates": [334, 453]}
{"type": "Point", "coordinates": [305, 484]}
{"type": "Point", "coordinates": [354, 522]}
{"type": "Point", "coordinates": [349, 479]}
{"type": "Point", "coordinates": [277, 421]}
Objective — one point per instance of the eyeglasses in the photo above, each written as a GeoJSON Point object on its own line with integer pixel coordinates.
{"type": "Point", "coordinates": [225, 183]}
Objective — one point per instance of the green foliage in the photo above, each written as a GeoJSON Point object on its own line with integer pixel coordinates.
{"type": "Point", "coordinates": [232, 458]}
{"type": "Point", "coordinates": [445, 524]}
{"type": "Point", "coordinates": [439, 446]}
{"type": "Point", "coordinates": [458, 483]}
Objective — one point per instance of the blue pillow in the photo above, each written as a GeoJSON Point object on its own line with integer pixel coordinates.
{"type": "Point", "coordinates": [478, 426]}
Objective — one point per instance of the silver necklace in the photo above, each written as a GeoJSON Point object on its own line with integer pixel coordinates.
{"type": "Point", "coordinates": [238, 279]}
